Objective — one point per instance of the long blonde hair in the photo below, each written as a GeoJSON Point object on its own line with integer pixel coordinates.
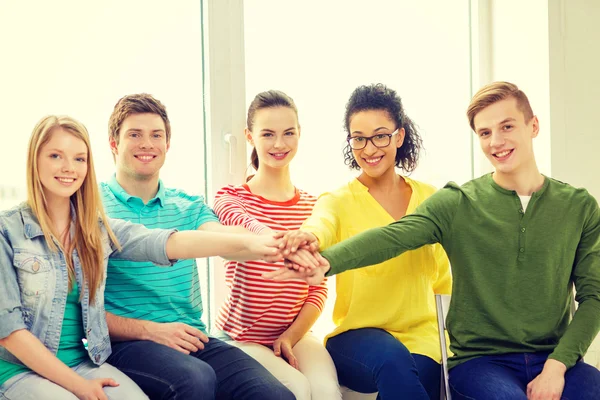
{"type": "Point", "coordinates": [89, 210]}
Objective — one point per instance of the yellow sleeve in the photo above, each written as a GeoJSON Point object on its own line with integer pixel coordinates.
{"type": "Point", "coordinates": [324, 221]}
{"type": "Point", "coordinates": [443, 283]}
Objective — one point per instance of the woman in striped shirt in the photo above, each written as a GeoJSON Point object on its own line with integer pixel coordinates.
{"type": "Point", "coordinates": [271, 320]}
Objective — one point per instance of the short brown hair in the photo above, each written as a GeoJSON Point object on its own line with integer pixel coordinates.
{"type": "Point", "coordinates": [495, 92]}
{"type": "Point", "coordinates": [136, 104]}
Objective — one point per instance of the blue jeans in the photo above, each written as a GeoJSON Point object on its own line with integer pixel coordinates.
{"type": "Point", "coordinates": [506, 377]}
{"type": "Point", "coordinates": [220, 371]}
{"type": "Point", "coordinates": [371, 360]}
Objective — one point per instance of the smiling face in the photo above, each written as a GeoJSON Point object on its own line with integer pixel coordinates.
{"type": "Point", "coordinates": [275, 133]}
{"type": "Point", "coordinates": [62, 165]}
{"type": "Point", "coordinates": [505, 137]}
{"type": "Point", "coordinates": [376, 161]}
{"type": "Point", "coordinates": [142, 146]}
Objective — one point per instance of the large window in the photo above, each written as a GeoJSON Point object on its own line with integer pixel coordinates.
{"type": "Point", "coordinates": [319, 51]}
{"type": "Point", "coordinates": [78, 58]}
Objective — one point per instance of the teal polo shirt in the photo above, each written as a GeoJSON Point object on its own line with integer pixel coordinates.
{"type": "Point", "coordinates": [142, 290]}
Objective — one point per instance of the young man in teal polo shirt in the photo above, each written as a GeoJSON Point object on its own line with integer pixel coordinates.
{"type": "Point", "coordinates": [154, 314]}
{"type": "Point", "coordinates": [517, 242]}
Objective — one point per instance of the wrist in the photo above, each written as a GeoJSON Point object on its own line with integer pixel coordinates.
{"type": "Point", "coordinates": [148, 329]}
{"type": "Point", "coordinates": [554, 366]}
{"type": "Point", "coordinates": [76, 383]}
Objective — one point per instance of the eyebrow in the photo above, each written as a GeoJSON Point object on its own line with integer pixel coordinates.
{"type": "Point", "coordinates": [509, 119]}
{"type": "Point", "coordinates": [62, 152]}
{"type": "Point", "coordinates": [293, 128]}
{"type": "Point", "coordinates": [375, 131]}
{"type": "Point", "coordinates": [139, 130]}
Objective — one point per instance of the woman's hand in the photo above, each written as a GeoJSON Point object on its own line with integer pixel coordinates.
{"type": "Point", "coordinates": [91, 389]}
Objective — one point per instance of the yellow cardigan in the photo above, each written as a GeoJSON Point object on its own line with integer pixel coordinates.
{"type": "Point", "coordinates": [397, 295]}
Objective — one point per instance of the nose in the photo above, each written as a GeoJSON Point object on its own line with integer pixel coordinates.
{"type": "Point", "coordinates": [146, 143]}
{"type": "Point", "coordinates": [497, 139]}
{"type": "Point", "coordinates": [370, 148]}
{"type": "Point", "coordinates": [68, 166]}
{"type": "Point", "coordinates": [279, 142]}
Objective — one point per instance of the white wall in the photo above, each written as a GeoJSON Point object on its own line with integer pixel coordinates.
{"type": "Point", "coordinates": [574, 99]}
{"type": "Point", "coordinates": [515, 49]}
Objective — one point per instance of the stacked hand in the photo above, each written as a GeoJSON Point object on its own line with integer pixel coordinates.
{"type": "Point", "coordinates": [302, 258]}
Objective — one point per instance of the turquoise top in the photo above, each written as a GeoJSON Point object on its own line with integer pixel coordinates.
{"type": "Point", "coordinates": [141, 290]}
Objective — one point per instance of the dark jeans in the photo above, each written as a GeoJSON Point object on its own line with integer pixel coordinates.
{"type": "Point", "coordinates": [220, 371]}
{"type": "Point", "coordinates": [506, 377]}
{"type": "Point", "coordinates": [371, 360]}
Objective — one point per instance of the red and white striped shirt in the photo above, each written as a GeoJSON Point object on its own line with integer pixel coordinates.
{"type": "Point", "coordinates": [259, 310]}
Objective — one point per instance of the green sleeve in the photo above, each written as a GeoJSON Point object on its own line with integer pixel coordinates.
{"type": "Point", "coordinates": [586, 275]}
{"type": "Point", "coordinates": [430, 223]}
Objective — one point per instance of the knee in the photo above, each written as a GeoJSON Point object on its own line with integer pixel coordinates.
{"type": "Point", "coordinates": [325, 389]}
{"type": "Point", "coordinates": [279, 392]}
{"type": "Point", "coordinates": [197, 380]}
{"type": "Point", "coordinates": [299, 386]}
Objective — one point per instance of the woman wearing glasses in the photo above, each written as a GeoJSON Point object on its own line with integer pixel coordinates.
{"type": "Point", "coordinates": [386, 337]}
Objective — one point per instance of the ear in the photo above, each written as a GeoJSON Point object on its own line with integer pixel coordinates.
{"type": "Point", "coordinates": [299, 130]}
{"type": "Point", "coordinates": [112, 142]}
{"type": "Point", "coordinates": [168, 145]}
{"type": "Point", "coordinates": [400, 137]}
{"type": "Point", "coordinates": [536, 126]}
{"type": "Point", "coordinates": [248, 134]}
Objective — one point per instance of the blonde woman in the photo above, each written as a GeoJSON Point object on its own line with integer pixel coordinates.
{"type": "Point", "coordinates": [53, 256]}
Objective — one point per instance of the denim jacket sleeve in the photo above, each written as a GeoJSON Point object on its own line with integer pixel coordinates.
{"type": "Point", "coordinates": [139, 243]}
{"type": "Point", "coordinates": [11, 317]}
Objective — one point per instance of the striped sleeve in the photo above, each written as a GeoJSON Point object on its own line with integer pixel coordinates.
{"type": "Point", "coordinates": [317, 295]}
{"type": "Point", "coordinates": [231, 211]}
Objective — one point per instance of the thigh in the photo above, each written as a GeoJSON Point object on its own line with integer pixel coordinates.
{"type": "Point", "coordinates": [127, 389]}
{"type": "Point", "coordinates": [582, 382]}
{"type": "Point", "coordinates": [31, 386]}
{"type": "Point", "coordinates": [240, 375]}
{"type": "Point", "coordinates": [162, 372]}
{"type": "Point", "coordinates": [429, 374]}
{"type": "Point", "coordinates": [316, 365]}
{"type": "Point", "coordinates": [486, 378]}
{"type": "Point", "coordinates": [359, 355]}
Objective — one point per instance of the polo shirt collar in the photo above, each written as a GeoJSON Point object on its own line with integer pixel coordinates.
{"type": "Point", "coordinates": [125, 197]}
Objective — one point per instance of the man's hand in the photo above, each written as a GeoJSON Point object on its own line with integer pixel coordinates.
{"type": "Point", "coordinates": [178, 336]}
{"type": "Point", "coordinates": [549, 384]}
{"type": "Point", "coordinates": [283, 347]}
{"type": "Point", "coordinates": [311, 276]}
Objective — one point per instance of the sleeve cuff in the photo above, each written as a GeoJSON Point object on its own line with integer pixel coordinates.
{"type": "Point", "coordinates": [11, 322]}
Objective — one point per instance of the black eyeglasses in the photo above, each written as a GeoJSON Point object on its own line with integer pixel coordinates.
{"type": "Point", "coordinates": [380, 140]}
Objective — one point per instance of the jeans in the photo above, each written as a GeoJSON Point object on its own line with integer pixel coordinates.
{"type": "Point", "coordinates": [219, 371]}
{"type": "Point", "coordinates": [371, 360]}
{"type": "Point", "coordinates": [31, 386]}
{"type": "Point", "coordinates": [506, 376]}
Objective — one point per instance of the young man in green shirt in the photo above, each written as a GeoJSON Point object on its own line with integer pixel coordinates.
{"type": "Point", "coordinates": [517, 242]}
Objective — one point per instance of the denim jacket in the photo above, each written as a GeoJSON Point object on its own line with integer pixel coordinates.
{"type": "Point", "coordinates": [34, 280]}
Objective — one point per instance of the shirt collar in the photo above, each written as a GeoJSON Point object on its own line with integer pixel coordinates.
{"type": "Point", "coordinates": [125, 197]}
{"type": "Point", "coordinates": [32, 225]}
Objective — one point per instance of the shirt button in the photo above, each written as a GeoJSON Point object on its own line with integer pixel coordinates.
{"type": "Point", "coordinates": [521, 211]}
{"type": "Point", "coordinates": [522, 229]}
{"type": "Point", "coordinates": [35, 266]}
{"type": "Point", "coordinates": [522, 250]}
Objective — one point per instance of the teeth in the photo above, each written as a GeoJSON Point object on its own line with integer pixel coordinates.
{"type": "Point", "coordinates": [504, 153]}
{"type": "Point", "coordinates": [66, 180]}
{"type": "Point", "coordinates": [145, 158]}
{"type": "Point", "coordinates": [279, 154]}
{"type": "Point", "coordinates": [372, 160]}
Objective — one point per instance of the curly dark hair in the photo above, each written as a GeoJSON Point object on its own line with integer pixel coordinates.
{"type": "Point", "coordinates": [380, 97]}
